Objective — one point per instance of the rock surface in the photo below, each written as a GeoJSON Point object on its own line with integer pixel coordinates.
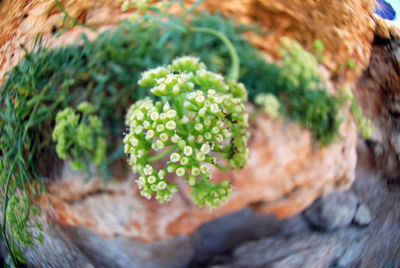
{"type": "Point", "coordinates": [377, 245]}
{"type": "Point", "coordinates": [332, 211]}
{"type": "Point", "coordinates": [346, 27]}
{"type": "Point", "coordinates": [362, 216]}
{"type": "Point", "coordinates": [285, 174]}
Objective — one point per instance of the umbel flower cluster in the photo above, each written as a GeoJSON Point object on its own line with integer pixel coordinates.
{"type": "Point", "coordinates": [198, 120]}
{"type": "Point", "coordinates": [79, 136]}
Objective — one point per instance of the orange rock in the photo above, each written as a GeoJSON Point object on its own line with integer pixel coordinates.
{"type": "Point", "coordinates": [285, 174]}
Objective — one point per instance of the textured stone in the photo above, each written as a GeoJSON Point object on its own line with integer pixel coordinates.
{"type": "Point", "coordinates": [285, 174]}
{"type": "Point", "coordinates": [363, 215]}
{"type": "Point", "coordinates": [332, 211]}
{"type": "Point", "coordinates": [345, 27]}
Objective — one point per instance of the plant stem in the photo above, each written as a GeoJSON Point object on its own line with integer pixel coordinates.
{"type": "Point", "coordinates": [223, 168]}
{"type": "Point", "coordinates": [235, 64]}
{"type": "Point", "coordinates": [163, 154]}
{"type": "Point", "coordinates": [4, 231]}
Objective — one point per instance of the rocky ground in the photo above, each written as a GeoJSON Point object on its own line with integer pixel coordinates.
{"type": "Point", "coordinates": [356, 228]}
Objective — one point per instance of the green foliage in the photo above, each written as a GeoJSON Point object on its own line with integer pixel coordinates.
{"type": "Point", "coordinates": [21, 220]}
{"type": "Point", "coordinates": [365, 126]}
{"type": "Point", "coordinates": [301, 93]}
{"type": "Point", "coordinates": [198, 113]}
{"type": "Point", "coordinates": [270, 104]}
{"type": "Point", "coordinates": [80, 136]}
{"type": "Point", "coordinates": [351, 63]}
{"type": "Point", "coordinates": [319, 49]}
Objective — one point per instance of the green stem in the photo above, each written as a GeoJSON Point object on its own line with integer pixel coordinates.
{"type": "Point", "coordinates": [223, 168]}
{"type": "Point", "coordinates": [163, 154]}
{"type": "Point", "coordinates": [235, 64]}
{"type": "Point", "coordinates": [4, 231]}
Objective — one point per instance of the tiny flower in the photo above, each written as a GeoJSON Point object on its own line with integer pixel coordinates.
{"type": "Point", "coordinates": [154, 116]}
{"type": "Point", "coordinates": [151, 179]}
{"type": "Point", "coordinates": [175, 157]}
{"type": "Point", "coordinates": [148, 170]}
{"type": "Point", "coordinates": [200, 99]}
{"type": "Point", "coordinates": [180, 171]}
{"type": "Point", "coordinates": [162, 185]}
{"type": "Point", "coordinates": [195, 171]}
{"type": "Point", "coordinates": [171, 114]}
{"type": "Point", "coordinates": [188, 150]}
{"type": "Point", "coordinates": [161, 173]}
{"type": "Point", "coordinates": [199, 139]}
{"type": "Point", "coordinates": [149, 134]}
{"type": "Point", "coordinates": [205, 148]}
{"type": "Point", "coordinates": [184, 161]}
{"type": "Point", "coordinates": [200, 156]}
{"type": "Point", "coordinates": [207, 136]}
{"type": "Point", "coordinates": [198, 127]}
{"type": "Point", "coordinates": [139, 115]}
{"type": "Point", "coordinates": [159, 144]}
{"type": "Point", "coordinates": [146, 124]}
{"type": "Point", "coordinates": [215, 130]}
{"type": "Point", "coordinates": [214, 108]}
{"type": "Point", "coordinates": [171, 125]}
{"type": "Point", "coordinates": [154, 187]}
{"type": "Point", "coordinates": [138, 129]}
{"type": "Point", "coordinates": [164, 137]}
{"type": "Point", "coordinates": [163, 116]}
{"type": "Point", "coordinates": [204, 168]}
{"type": "Point", "coordinates": [219, 137]}
{"type": "Point", "coordinates": [171, 169]}
{"type": "Point", "coordinates": [160, 128]}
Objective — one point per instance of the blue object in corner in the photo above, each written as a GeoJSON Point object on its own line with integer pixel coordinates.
{"type": "Point", "coordinates": [385, 10]}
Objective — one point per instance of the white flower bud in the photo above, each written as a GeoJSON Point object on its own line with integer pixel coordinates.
{"type": "Point", "coordinates": [134, 142]}
{"type": "Point", "coordinates": [204, 169]}
{"type": "Point", "coordinates": [146, 124]}
{"type": "Point", "coordinates": [184, 161]}
{"type": "Point", "coordinates": [205, 148]}
{"type": "Point", "coordinates": [160, 128]}
{"type": "Point", "coordinates": [171, 125]}
{"type": "Point", "coordinates": [215, 130]}
{"type": "Point", "coordinates": [163, 137]}
{"type": "Point", "coordinates": [154, 188]}
{"type": "Point", "coordinates": [161, 174]}
{"type": "Point", "coordinates": [175, 157]}
{"type": "Point", "coordinates": [162, 185]}
{"type": "Point", "coordinates": [214, 108]}
{"type": "Point", "coordinates": [202, 111]}
{"type": "Point", "coordinates": [188, 150]}
{"type": "Point", "coordinates": [171, 114]}
{"type": "Point", "coordinates": [149, 134]}
{"type": "Point", "coordinates": [166, 107]}
{"type": "Point", "coordinates": [151, 179]}
{"type": "Point", "coordinates": [200, 156]}
{"type": "Point", "coordinates": [207, 136]}
{"type": "Point", "coordinates": [200, 99]}
{"type": "Point", "coordinates": [199, 139]}
{"type": "Point", "coordinates": [170, 169]}
{"type": "Point", "coordinates": [154, 116]}
{"type": "Point", "coordinates": [195, 171]}
{"type": "Point", "coordinates": [190, 138]}
{"type": "Point", "coordinates": [148, 170]}
{"type": "Point", "coordinates": [219, 137]}
{"type": "Point", "coordinates": [198, 127]}
{"type": "Point", "coordinates": [138, 129]}
{"type": "Point", "coordinates": [180, 171]}
{"type": "Point", "coordinates": [139, 115]}
{"type": "Point", "coordinates": [207, 122]}
{"type": "Point", "coordinates": [159, 144]}
{"type": "Point", "coordinates": [163, 116]}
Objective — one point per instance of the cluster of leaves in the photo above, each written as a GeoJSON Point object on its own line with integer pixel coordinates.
{"type": "Point", "coordinates": [80, 136]}
{"type": "Point", "coordinates": [302, 95]}
{"type": "Point", "coordinates": [200, 119]}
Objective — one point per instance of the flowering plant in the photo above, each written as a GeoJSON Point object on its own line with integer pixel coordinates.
{"type": "Point", "coordinates": [199, 118]}
{"type": "Point", "coordinates": [79, 136]}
